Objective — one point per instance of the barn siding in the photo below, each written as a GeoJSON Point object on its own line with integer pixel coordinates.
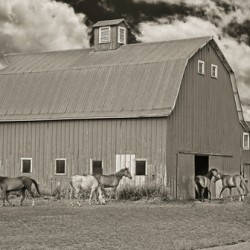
{"type": "Point", "coordinates": [79, 142]}
{"type": "Point", "coordinates": [205, 119]}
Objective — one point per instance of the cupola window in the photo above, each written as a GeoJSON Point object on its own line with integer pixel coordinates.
{"type": "Point", "coordinates": [121, 35]}
{"type": "Point", "coordinates": [104, 34]}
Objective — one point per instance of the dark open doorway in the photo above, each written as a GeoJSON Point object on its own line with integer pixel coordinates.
{"type": "Point", "coordinates": [201, 168]}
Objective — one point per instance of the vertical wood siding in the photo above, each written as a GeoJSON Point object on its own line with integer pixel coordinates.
{"type": "Point", "coordinates": [205, 119]}
{"type": "Point", "coordinates": [79, 142]}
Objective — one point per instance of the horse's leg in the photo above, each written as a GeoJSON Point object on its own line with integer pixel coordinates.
{"type": "Point", "coordinates": [70, 196]}
{"type": "Point", "coordinates": [209, 194]}
{"type": "Point", "coordinates": [28, 187]}
{"type": "Point", "coordinates": [116, 196]}
{"type": "Point", "coordinates": [4, 195]}
{"type": "Point", "coordinates": [78, 194]}
{"type": "Point", "coordinates": [22, 196]}
{"type": "Point", "coordinates": [221, 192]}
{"type": "Point", "coordinates": [7, 198]}
{"type": "Point", "coordinates": [90, 196]}
{"type": "Point", "coordinates": [241, 193]}
{"type": "Point", "coordinates": [230, 192]}
{"type": "Point", "coordinates": [202, 194]}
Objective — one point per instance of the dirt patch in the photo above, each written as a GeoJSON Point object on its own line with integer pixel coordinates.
{"type": "Point", "coordinates": [53, 224]}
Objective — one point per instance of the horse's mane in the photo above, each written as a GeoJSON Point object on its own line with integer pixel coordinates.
{"type": "Point", "coordinates": [119, 172]}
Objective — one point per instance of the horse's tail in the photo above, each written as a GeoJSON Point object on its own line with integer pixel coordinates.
{"type": "Point", "coordinates": [196, 180]}
{"type": "Point", "coordinates": [36, 185]}
{"type": "Point", "coordinates": [244, 184]}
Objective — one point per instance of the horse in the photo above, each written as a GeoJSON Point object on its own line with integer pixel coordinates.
{"type": "Point", "coordinates": [113, 180]}
{"type": "Point", "coordinates": [203, 182]}
{"type": "Point", "coordinates": [236, 181]}
{"type": "Point", "coordinates": [85, 183]}
{"type": "Point", "coordinates": [21, 183]}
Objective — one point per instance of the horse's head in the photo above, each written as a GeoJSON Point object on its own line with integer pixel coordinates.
{"type": "Point", "coordinates": [214, 172]}
{"type": "Point", "coordinates": [127, 173]}
{"type": "Point", "coordinates": [217, 177]}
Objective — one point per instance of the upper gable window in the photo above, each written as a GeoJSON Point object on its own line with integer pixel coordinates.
{"type": "Point", "coordinates": [245, 141]}
{"type": "Point", "coordinates": [214, 71]}
{"type": "Point", "coordinates": [201, 67]}
{"type": "Point", "coordinates": [104, 34]}
{"type": "Point", "coordinates": [121, 35]}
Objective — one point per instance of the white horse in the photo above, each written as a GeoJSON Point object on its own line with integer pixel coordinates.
{"type": "Point", "coordinates": [85, 183]}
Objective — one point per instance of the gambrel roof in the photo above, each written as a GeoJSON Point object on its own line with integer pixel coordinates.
{"type": "Point", "coordinates": [136, 80]}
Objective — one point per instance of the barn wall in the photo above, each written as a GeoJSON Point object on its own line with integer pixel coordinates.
{"type": "Point", "coordinates": [205, 119]}
{"type": "Point", "coordinates": [78, 142]}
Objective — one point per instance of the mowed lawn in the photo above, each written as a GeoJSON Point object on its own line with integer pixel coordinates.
{"type": "Point", "coordinates": [123, 225]}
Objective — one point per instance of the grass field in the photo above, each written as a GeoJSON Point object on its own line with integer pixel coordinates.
{"type": "Point", "coordinates": [54, 224]}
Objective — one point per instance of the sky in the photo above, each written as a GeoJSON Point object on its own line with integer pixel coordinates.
{"type": "Point", "coordinates": [44, 25]}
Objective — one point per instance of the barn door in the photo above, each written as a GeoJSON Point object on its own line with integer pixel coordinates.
{"type": "Point", "coordinates": [185, 176]}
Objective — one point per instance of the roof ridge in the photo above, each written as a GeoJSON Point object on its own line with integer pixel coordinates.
{"type": "Point", "coordinates": [91, 48]}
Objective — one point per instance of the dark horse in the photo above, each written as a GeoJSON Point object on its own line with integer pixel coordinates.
{"type": "Point", "coordinates": [236, 181]}
{"type": "Point", "coordinates": [112, 180]}
{"type": "Point", "coordinates": [203, 182]}
{"type": "Point", "coordinates": [21, 183]}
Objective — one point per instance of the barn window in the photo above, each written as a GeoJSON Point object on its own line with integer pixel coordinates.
{"type": "Point", "coordinates": [96, 167]}
{"type": "Point", "coordinates": [60, 166]}
{"type": "Point", "coordinates": [26, 165]}
{"type": "Point", "coordinates": [201, 67]}
{"type": "Point", "coordinates": [104, 34]}
{"type": "Point", "coordinates": [214, 71]}
{"type": "Point", "coordinates": [246, 141]}
{"type": "Point", "coordinates": [121, 35]}
{"type": "Point", "coordinates": [141, 167]}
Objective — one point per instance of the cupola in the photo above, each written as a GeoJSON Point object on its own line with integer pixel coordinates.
{"type": "Point", "coordinates": [110, 34]}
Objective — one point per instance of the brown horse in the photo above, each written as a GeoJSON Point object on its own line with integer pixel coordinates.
{"type": "Point", "coordinates": [236, 181]}
{"type": "Point", "coordinates": [85, 183]}
{"type": "Point", "coordinates": [203, 182]}
{"type": "Point", "coordinates": [113, 180]}
{"type": "Point", "coordinates": [21, 183]}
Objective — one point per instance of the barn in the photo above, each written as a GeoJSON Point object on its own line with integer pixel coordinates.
{"type": "Point", "coordinates": [168, 110]}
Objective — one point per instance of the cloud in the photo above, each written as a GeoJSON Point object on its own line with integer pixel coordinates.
{"type": "Point", "coordinates": [38, 25]}
{"type": "Point", "coordinates": [191, 27]}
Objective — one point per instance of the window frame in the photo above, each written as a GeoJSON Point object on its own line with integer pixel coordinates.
{"type": "Point", "coordinates": [26, 158]}
{"type": "Point", "coordinates": [119, 35]}
{"type": "Point", "coordinates": [146, 166]}
{"type": "Point", "coordinates": [100, 34]}
{"type": "Point", "coordinates": [216, 71]}
{"type": "Point", "coordinates": [245, 147]}
{"type": "Point", "coordinates": [61, 159]}
{"type": "Point", "coordinates": [203, 67]}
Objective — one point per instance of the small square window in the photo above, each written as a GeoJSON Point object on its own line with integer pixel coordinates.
{"type": "Point", "coordinates": [60, 166]}
{"type": "Point", "coordinates": [26, 165]}
{"type": "Point", "coordinates": [140, 167]}
{"type": "Point", "coordinates": [104, 34]}
{"type": "Point", "coordinates": [201, 67]}
{"type": "Point", "coordinates": [121, 35]}
{"type": "Point", "coordinates": [245, 141]}
{"type": "Point", "coordinates": [214, 71]}
{"type": "Point", "coordinates": [96, 167]}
